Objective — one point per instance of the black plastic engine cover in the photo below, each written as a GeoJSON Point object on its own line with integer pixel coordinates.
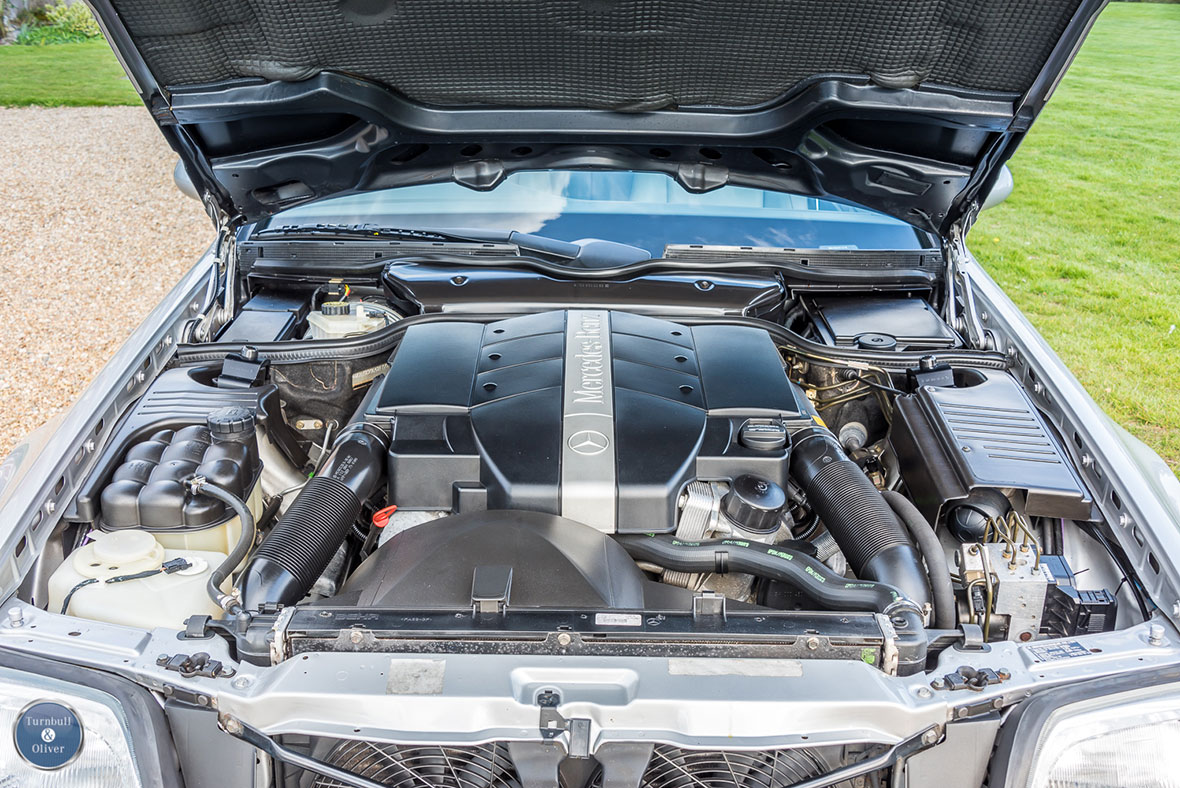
{"type": "Point", "coordinates": [539, 559]}
{"type": "Point", "coordinates": [601, 417]}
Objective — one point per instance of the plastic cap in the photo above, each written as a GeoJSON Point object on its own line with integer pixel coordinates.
{"type": "Point", "coordinates": [875, 341]}
{"type": "Point", "coordinates": [231, 423]}
{"type": "Point", "coordinates": [754, 504]}
{"type": "Point", "coordinates": [335, 308]}
{"type": "Point", "coordinates": [763, 435]}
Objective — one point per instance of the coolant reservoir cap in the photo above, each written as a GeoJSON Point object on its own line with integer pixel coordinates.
{"type": "Point", "coordinates": [123, 547]}
{"type": "Point", "coordinates": [231, 423]}
{"type": "Point", "coordinates": [754, 504]}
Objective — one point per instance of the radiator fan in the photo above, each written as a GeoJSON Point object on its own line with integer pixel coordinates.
{"type": "Point", "coordinates": [487, 766]}
{"type": "Point", "coordinates": [672, 767]}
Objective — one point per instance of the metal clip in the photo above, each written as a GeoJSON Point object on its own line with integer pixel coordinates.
{"type": "Point", "coordinates": [708, 604]}
{"type": "Point", "coordinates": [552, 725]}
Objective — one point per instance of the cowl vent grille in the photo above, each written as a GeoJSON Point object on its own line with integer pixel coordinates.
{"type": "Point", "coordinates": [487, 766]}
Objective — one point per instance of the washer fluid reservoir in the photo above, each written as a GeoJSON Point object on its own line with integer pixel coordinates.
{"type": "Point", "coordinates": [161, 599]}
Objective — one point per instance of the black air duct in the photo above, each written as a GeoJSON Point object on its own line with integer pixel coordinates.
{"type": "Point", "coordinates": [860, 520]}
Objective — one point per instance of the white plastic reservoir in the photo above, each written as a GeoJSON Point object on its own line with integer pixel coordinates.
{"type": "Point", "coordinates": [159, 600]}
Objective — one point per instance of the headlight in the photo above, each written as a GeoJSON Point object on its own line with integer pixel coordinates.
{"type": "Point", "coordinates": [79, 727]}
{"type": "Point", "coordinates": [56, 734]}
{"type": "Point", "coordinates": [1121, 732]}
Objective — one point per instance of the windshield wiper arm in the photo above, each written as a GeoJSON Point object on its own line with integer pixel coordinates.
{"type": "Point", "coordinates": [590, 254]}
{"type": "Point", "coordinates": [359, 231]}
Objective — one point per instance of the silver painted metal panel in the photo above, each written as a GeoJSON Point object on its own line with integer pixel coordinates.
{"type": "Point", "coordinates": [588, 489]}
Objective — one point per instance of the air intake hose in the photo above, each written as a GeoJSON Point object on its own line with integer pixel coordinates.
{"type": "Point", "coordinates": [296, 552]}
{"type": "Point", "coordinates": [864, 525]}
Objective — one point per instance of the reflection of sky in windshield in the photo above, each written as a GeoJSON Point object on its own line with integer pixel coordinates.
{"type": "Point", "coordinates": [640, 208]}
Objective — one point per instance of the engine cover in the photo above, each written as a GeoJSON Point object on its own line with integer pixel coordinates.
{"type": "Point", "coordinates": [601, 417]}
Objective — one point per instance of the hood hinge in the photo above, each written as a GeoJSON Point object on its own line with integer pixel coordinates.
{"type": "Point", "coordinates": [960, 308]}
{"type": "Point", "coordinates": [221, 312]}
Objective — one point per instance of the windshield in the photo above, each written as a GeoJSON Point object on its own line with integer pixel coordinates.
{"type": "Point", "coordinates": [644, 209]}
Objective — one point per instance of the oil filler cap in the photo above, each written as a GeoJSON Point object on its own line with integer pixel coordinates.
{"type": "Point", "coordinates": [763, 435]}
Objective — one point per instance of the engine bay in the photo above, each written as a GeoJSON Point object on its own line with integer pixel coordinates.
{"type": "Point", "coordinates": [677, 463]}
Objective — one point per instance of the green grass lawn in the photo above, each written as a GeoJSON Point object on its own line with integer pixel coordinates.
{"type": "Point", "coordinates": [1088, 245]}
{"type": "Point", "coordinates": [72, 75]}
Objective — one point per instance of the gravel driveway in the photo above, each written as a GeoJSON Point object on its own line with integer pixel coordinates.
{"type": "Point", "coordinates": [92, 234]}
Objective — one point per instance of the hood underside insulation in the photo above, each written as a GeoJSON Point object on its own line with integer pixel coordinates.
{"type": "Point", "coordinates": [628, 55]}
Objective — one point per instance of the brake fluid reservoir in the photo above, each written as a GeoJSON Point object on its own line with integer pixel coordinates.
{"type": "Point", "coordinates": [339, 319]}
{"type": "Point", "coordinates": [159, 599]}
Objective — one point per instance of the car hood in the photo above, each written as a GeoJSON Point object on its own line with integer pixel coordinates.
{"type": "Point", "coordinates": [909, 108]}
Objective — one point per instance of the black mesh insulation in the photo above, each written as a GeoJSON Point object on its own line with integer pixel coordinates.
{"type": "Point", "coordinates": [612, 54]}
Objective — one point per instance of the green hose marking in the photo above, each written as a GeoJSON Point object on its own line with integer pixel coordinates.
{"type": "Point", "coordinates": [735, 542]}
{"type": "Point", "coordinates": [869, 656]}
{"type": "Point", "coordinates": [859, 585]}
{"type": "Point", "coordinates": [780, 554]}
{"type": "Point", "coordinates": [815, 574]}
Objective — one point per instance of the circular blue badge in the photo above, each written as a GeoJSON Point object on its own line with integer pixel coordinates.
{"type": "Point", "coordinates": [48, 735]}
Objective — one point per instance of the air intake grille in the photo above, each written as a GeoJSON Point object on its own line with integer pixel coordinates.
{"type": "Point", "coordinates": [487, 766]}
{"type": "Point", "coordinates": [672, 767]}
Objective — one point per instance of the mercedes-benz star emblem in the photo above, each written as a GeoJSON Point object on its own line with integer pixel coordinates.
{"type": "Point", "coordinates": [588, 442]}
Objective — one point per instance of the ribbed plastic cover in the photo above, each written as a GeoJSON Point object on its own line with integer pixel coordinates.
{"type": "Point", "coordinates": [610, 54]}
{"type": "Point", "coordinates": [146, 490]}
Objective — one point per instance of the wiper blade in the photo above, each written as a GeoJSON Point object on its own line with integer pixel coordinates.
{"type": "Point", "coordinates": [359, 231]}
{"type": "Point", "coordinates": [591, 253]}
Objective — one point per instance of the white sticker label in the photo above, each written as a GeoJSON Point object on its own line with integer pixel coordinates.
{"type": "Point", "coordinates": [618, 619]}
{"type": "Point", "coordinates": [416, 676]}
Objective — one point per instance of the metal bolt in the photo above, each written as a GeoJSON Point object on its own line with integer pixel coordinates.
{"type": "Point", "coordinates": [16, 617]}
{"type": "Point", "coordinates": [232, 725]}
{"type": "Point", "coordinates": [1087, 461]}
{"type": "Point", "coordinates": [924, 692]}
{"type": "Point", "coordinates": [812, 643]}
{"type": "Point", "coordinates": [1155, 634]}
{"type": "Point", "coordinates": [564, 639]}
{"type": "Point", "coordinates": [938, 684]}
{"type": "Point", "coordinates": [356, 636]}
{"type": "Point", "coordinates": [962, 712]}
{"type": "Point", "coordinates": [930, 736]}
{"type": "Point", "coordinates": [1124, 520]}
{"type": "Point", "coordinates": [50, 506]}
{"type": "Point", "coordinates": [241, 682]}
{"type": "Point", "coordinates": [1004, 674]}
{"type": "Point", "coordinates": [998, 703]}
{"type": "Point", "coordinates": [1038, 388]}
